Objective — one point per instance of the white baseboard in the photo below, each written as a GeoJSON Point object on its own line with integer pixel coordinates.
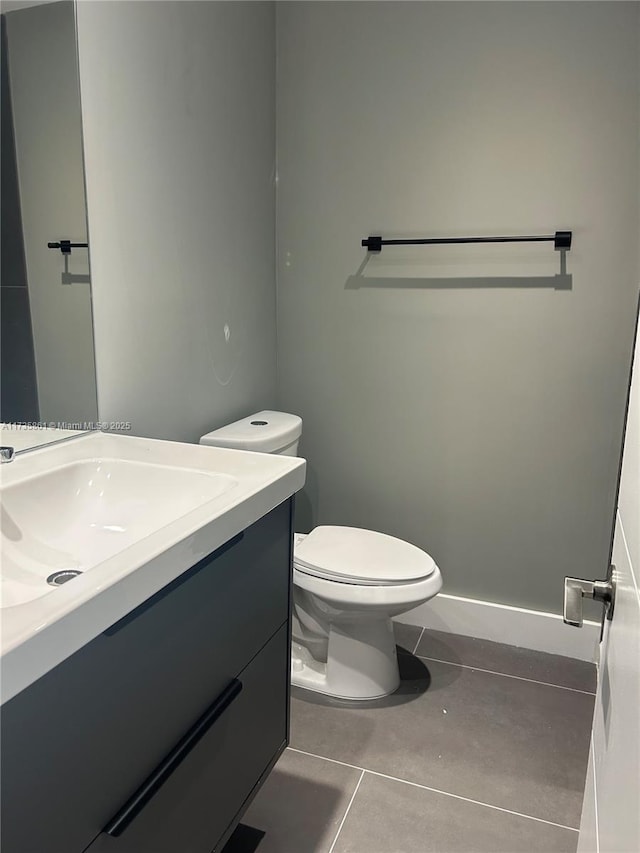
{"type": "Point", "coordinates": [531, 629]}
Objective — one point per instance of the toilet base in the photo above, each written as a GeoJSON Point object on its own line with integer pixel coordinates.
{"type": "Point", "coordinates": [361, 662]}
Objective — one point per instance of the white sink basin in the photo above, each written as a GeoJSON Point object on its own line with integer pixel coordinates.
{"type": "Point", "coordinates": [121, 517]}
{"type": "Point", "coordinates": [77, 516]}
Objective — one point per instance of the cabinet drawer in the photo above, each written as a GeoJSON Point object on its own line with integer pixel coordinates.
{"type": "Point", "coordinates": [79, 740]}
{"type": "Point", "coordinates": [191, 810]}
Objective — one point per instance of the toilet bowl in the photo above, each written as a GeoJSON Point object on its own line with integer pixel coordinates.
{"type": "Point", "coordinates": [348, 583]}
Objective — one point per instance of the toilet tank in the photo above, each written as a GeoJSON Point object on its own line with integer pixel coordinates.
{"type": "Point", "coordinates": [264, 432]}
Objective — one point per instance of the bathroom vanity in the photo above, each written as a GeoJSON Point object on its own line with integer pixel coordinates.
{"type": "Point", "coordinates": [154, 734]}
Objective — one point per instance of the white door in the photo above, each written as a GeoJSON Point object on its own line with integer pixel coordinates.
{"type": "Point", "coordinates": [611, 809]}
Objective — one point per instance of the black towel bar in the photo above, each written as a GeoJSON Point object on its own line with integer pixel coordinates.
{"type": "Point", "coordinates": [561, 240]}
{"type": "Point", "coordinates": [66, 246]}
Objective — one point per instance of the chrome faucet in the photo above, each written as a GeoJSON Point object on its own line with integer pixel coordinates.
{"type": "Point", "coordinates": [7, 454]}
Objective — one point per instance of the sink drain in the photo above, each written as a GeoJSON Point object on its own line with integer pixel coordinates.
{"type": "Point", "coordinates": [58, 578]}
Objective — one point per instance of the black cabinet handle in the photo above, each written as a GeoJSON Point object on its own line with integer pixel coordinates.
{"type": "Point", "coordinates": [174, 584]}
{"type": "Point", "coordinates": [152, 784]}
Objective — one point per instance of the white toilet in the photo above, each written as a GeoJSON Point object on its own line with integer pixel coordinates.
{"type": "Point", "coordinates": [348, 583]}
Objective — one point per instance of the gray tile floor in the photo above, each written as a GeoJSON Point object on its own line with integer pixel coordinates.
{"type": "Point", "coordinates": [484, 747]}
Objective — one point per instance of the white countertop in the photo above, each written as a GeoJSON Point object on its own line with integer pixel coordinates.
{"type": "Point", "coordinates": [40, 633]}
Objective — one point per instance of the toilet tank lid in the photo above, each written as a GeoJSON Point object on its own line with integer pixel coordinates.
{"type": "Point", "coordinates": [362, 556]}
{"type": "Point", "coordinates": [264, 432]}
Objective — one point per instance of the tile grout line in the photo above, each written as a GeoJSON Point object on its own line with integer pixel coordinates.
{"type": "Point", "coordinates": [434, 790]}
{"type": "Point", "coordinates": [507, 675]}
{"type": "Point", "coordinates": [344, 817]}
{"type": "Point", "coordinates": [418, 643]}
{"type": "Point", "coordinates": [475, 802]}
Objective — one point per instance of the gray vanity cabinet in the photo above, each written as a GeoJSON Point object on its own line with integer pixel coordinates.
{"type": "Point", "coordinates": [153, 737]}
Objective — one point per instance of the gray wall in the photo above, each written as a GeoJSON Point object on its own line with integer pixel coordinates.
{"type": "Point", "coordinates": [468, 399]}
{"type": "Point", "coordinates": [178, 116]}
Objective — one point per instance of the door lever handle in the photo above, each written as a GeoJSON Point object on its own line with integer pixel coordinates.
{"type": "Point", "coordinates": [575, 589]}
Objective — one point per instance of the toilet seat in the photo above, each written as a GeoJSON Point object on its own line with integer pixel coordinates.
{"type": "Point", "coordinates": [352, 555]}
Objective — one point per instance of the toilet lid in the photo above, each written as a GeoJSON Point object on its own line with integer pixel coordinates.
{"type": "Point", "coordinates": [354, 555]}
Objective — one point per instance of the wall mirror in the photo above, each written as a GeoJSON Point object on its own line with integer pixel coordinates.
{"type": "Point", "coordinates": [47, 358]}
